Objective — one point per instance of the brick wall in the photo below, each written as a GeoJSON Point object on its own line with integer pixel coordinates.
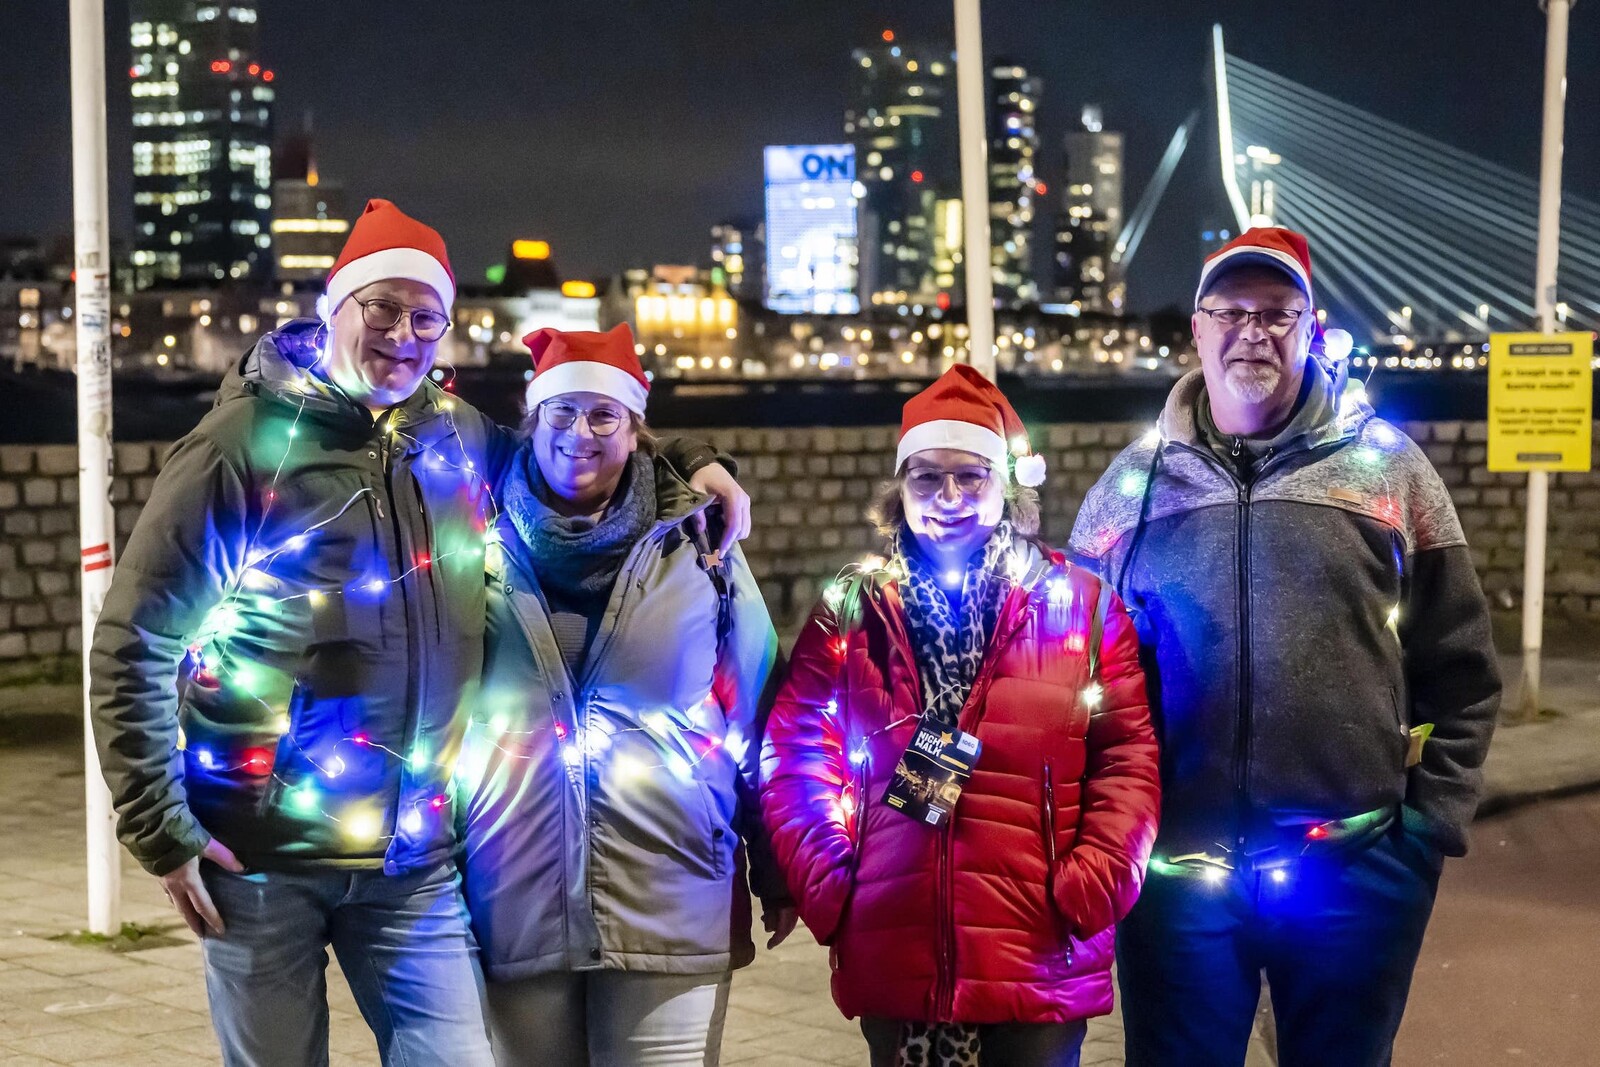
{"type": "Point", "coordinates": [809, 487]}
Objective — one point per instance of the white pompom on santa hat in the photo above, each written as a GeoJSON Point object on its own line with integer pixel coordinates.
{"type": "Point", "coordinates": [582, 361]}
{"type": "Point", "coordinates": [386, 244]}
{"type": "Point", "coordinates": [966, 411]}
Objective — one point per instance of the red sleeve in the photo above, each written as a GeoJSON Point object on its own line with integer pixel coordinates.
{"type": "Point", "coordinates": [1101, 877]}
{"type": "Point", "coordinates": [804, 771]}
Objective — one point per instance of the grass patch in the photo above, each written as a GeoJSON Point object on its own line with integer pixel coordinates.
{"type": "Point", "coordinates": [133, 937]}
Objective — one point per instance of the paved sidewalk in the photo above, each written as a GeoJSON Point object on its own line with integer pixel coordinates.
{"type": "Point", "coordinates": [143, 1005]}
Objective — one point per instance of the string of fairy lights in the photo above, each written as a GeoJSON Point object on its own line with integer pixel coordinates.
{"type": "Point", "coordinates": [684, 748]}
{"type": "Point", "coordinates": [1011, 568]}
{"type": "Point", "coordinates": [213, 662]}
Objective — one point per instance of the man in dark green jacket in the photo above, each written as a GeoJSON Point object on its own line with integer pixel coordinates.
{"type": "Point", "coordinates": [1322, 682]}
{"type": "Point", "coordinates": [284, 662]}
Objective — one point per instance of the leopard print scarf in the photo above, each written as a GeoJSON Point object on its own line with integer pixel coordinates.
{"type": "Point", "coordinates": [949, 643]}
{"type": "Point", "coordinates": [949, 640]}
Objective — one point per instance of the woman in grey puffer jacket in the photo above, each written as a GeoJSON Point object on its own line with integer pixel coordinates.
{"type": "Point", "coordinates": [610, 772]}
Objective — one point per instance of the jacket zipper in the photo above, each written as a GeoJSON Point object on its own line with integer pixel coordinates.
{"type": "Point", "coordinates": [946, 987]}
{"type": "Point", "coordinates": [1246, 724]}
{"type": "Point", "coordinates": [1241, 749]}
{"type": "Point", "coordinates": [1050, 839]}
{"type": "Point", "coordinates": [1010, 621]}
{"type": "Point", "coordinates": [415, 682]}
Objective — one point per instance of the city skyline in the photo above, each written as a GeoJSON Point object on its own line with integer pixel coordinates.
{"type": "Point", "coordinates": [638, 173]}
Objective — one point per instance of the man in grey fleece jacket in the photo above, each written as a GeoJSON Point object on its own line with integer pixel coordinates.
{"type": "Point", "coordinates": [1321, 676]}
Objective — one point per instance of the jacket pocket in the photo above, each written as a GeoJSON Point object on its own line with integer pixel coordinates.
{"type": "Point", "coordinates": [1402, 732]}
{"type": "Point", "coordinates": [716, 834]}
{"type": "Point", "coordinates": [1047, 827]}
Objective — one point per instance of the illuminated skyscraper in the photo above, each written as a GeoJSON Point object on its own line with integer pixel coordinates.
{"type": "Point", "coordinates": [1013, 150]}
{"type": "Point", "coordinates": [1091, 219]}
{"type": "Point", "coordinates": [202, 136]}
{"type": "Point", "coordinates": [310, 219]}
{"type": "Point", "coordinates": [811, 229]}
{"type": "Point", "coordinates": [738, 250]}
{"type": "Point", "coordinates": [902, 121]}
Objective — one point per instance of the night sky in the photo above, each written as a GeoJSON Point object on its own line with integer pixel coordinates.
{"type": "Point", "coordinates": [620, 129]}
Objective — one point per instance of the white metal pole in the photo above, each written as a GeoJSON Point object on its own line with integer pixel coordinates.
{"type": "Point", "coordinates": [1544, 297]}
{"type": "Point", "coordinates": [92, 312]}
{"type": "Point", "coordinates": [972, 97]}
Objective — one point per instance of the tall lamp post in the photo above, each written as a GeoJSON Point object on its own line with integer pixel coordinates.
{"type": "Point", "coordinates": [1544, 297]}
{"type": "Point", "coordinates": [96, 528]}
{"type": "Point", "coordinates": [972, 101]}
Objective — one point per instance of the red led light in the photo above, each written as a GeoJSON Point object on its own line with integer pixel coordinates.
{"type": "Point", "coordinates": [362, 739]}
{"type": "Point", "coordinates": [888, 35]}
{"type": "Point", "coordinates": [221, 66]}
{"type": "Point", "coordinates": [1317, 833]}
{"type": "Point", "coordinates": [439, 801]}
{"type": "Point", "coordinates": [266, 75]}
{"type": "Point", "coordinates": [916, 176]}
{"type": "Point", "coordinates": [255, 68]}
{"type": "Point", "coordinates": [561, 732]}
{"type": "Point", "coordinates": [1041, 188]}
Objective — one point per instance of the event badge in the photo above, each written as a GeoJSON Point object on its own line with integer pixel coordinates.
{"type": "Point", "coordinates": [928, 779]}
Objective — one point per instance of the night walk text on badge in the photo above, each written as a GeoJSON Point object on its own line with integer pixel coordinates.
{"type": "Point", "coordinates": [933, 769]}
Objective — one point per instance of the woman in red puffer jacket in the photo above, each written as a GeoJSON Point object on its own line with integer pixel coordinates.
{"type": "Point", "coordinates": [983, 935]}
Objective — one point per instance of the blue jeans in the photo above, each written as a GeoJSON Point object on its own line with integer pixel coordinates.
{"type": "Point", "coordinates": [1338, 939]}
{"type": "Point", "coordinates": [402, 942]}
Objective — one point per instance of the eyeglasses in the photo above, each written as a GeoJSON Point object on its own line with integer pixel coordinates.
{"type": "Point", "coordinates": [380, 314]}
{"type": "Point", "coordinates": [1273, 320]}
{"type": "Point", "coordinates": [928, 481]}
{"type": "Point", "coordinates": [603, 422]}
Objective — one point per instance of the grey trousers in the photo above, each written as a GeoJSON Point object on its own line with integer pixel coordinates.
{"type": "Point", "coordinates": [609, 1019]}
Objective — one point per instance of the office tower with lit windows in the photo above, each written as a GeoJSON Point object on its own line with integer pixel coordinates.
{"type": "Point", "coordinates": [310, 219]}
{"type": "Point", "coordinates": [811, 236]}
{"type": "Point", "coordinates": [738, 250]}
{"type": "Point", "coordinates": [1013, 185]}
{"type": "Point", "coordinates": [202, 137]}
{"type": "Point", "coordinates": [1091, 219]}
{"type": "Point", "coordinates": [902, 121]}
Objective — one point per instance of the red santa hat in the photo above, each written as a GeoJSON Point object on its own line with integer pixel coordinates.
{"type": "Point", "coordinates": [582, 361]}
{"type": "Point", "coordinates": [1267, 246]}
{"type": "Point", "coordinates": [966, 411]}
{"type": "Point", "coordinates": [385, 244]}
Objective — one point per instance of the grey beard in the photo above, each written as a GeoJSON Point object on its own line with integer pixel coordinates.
{"type": "Point", "coordinates": [1252, 383]}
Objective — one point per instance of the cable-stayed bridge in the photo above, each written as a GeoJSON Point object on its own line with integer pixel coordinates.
{"type": "Point", "coordinates": [1413, 239]}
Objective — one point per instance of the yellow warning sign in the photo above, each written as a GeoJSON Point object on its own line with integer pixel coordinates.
{"type": "Point", "coordinates": [1541, 401]}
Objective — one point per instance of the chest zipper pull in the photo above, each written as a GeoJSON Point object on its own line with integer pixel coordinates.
{"type": "Point", "coordinates": [1238, 447]}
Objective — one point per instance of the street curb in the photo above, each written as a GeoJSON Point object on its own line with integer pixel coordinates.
{"type": "Point", "coordinates": [1505, 802]}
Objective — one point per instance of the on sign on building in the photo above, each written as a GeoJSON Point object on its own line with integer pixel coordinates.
{"type": "Point", "coordinates": [811, 196]}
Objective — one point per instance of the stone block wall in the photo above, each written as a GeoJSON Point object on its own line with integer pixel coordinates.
{"type": "Point", "coordinates": [40, 549]}
{"type": "Point", "coordinates": [809, 487]}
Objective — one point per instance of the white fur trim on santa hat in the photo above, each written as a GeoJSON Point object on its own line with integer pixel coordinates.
{"type": "Point", "coordinates": [1289, 262]}
{"type": "Point", "coordinates": [412, 264]}
{"type": "Point", "coordinates": [1030, 470]}
{"type": "Point", "coordinates": [953, 433]}
{"type": "Point", "coordinates": [587, 376]}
